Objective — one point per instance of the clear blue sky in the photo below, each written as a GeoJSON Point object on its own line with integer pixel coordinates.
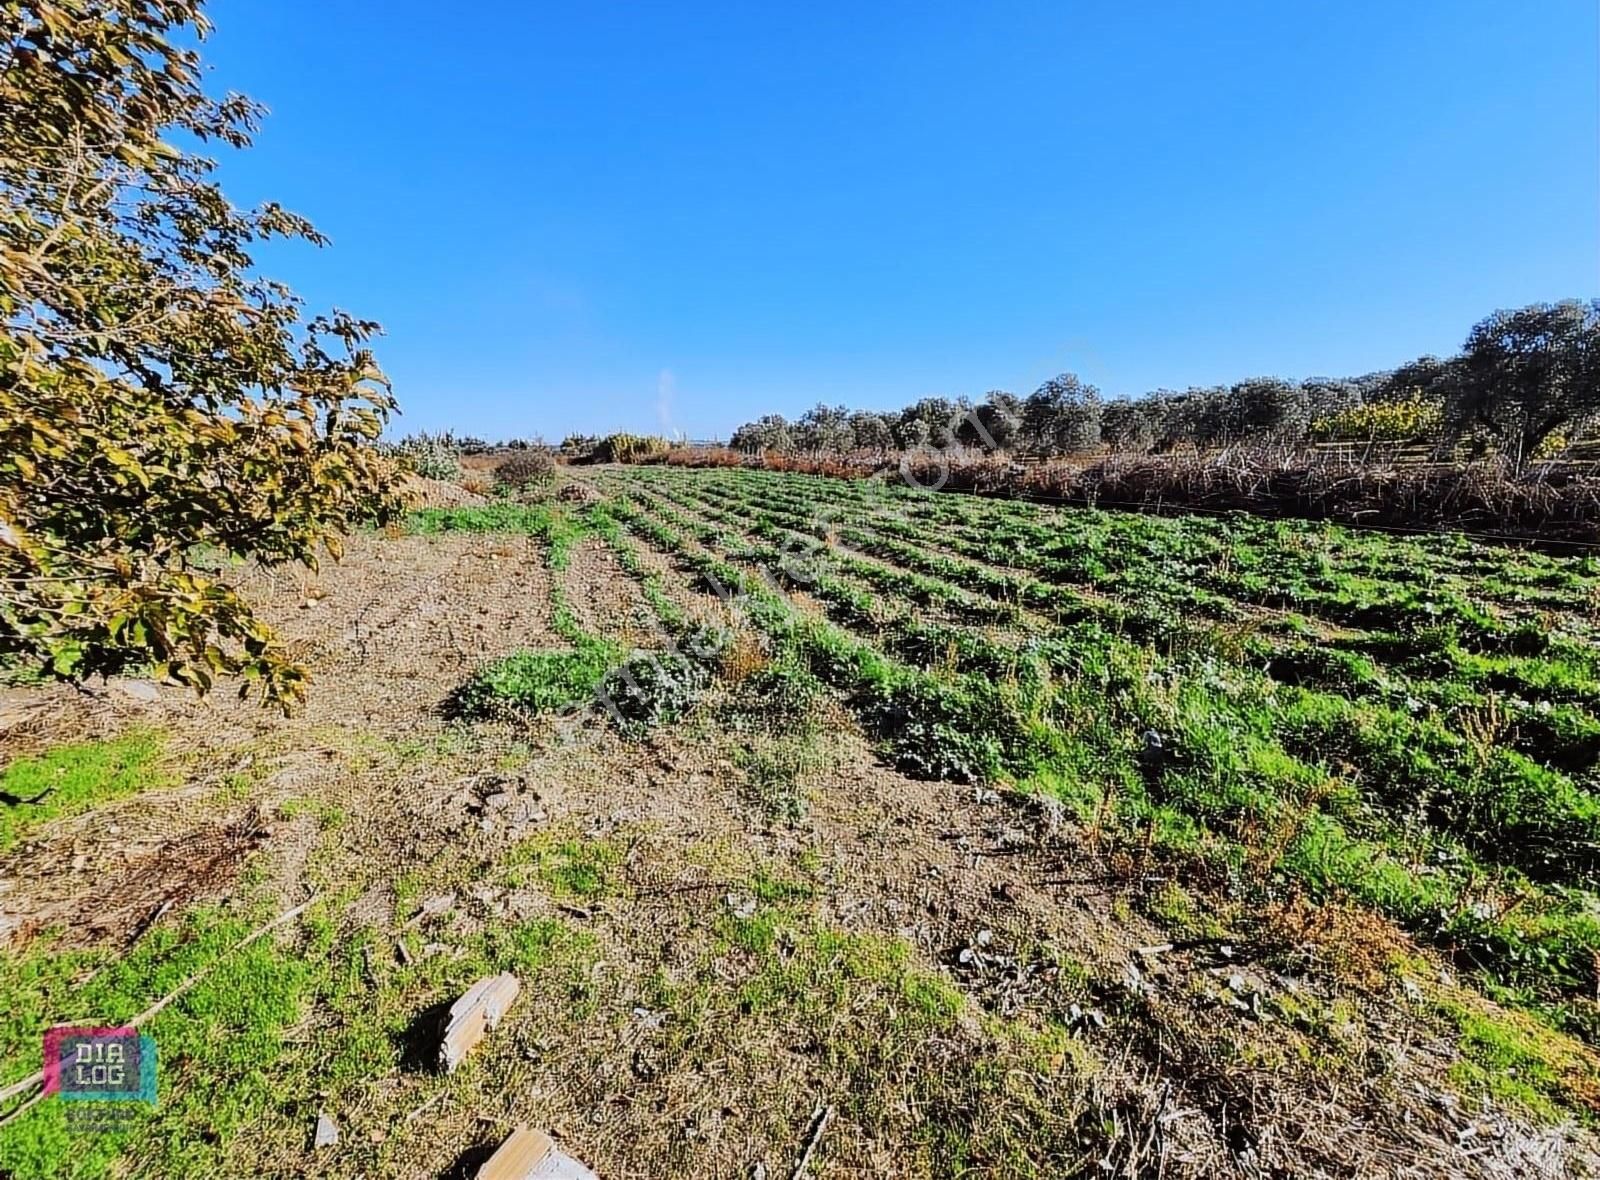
{"type": "Point", "coordinates": [677, 216]}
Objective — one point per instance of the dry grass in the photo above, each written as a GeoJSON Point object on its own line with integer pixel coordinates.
{"type": "Point", "coordinates": [1550, 501]}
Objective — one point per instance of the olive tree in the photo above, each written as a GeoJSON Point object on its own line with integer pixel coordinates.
{"type": "Point", "coordinates": [770, 432]}
{"type": "Point", "coordinates": [995, 424]}
{"type": "Point", "coordinates": [825, 429]}
{"type": "Point", "coordinates": [1062, 416]}
{"type": "Point", "coordinates": [930, 422]}
{"type": "Point", "coordinates": [1270, 407]}
{"type": "Point", "coordinates": [1128, 424]}
{"type": "Point", "coordinates": [872, 431]}
{"type": "Point", "coordinates": [1524, 376]}
{"type": "Point", "coordinates": [158, 395]}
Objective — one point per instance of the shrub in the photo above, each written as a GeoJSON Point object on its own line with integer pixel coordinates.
{"type": "Point", "coordinates": [704, 457]}
{"type": "Point", "coordinates": [631, 448]}
{"type": "Point", "coordinates": [527, 470]}
{"type": "Point", "coordinates": [652, 688]}
{"type": "Point", "coordinates": [159, 396]}
{"type": "Point", "coordinates": [1399, 421]}
{"type": "Point", "coordinates": [432, 456]}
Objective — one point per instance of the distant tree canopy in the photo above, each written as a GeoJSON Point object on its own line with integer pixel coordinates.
{"type": "Point", "coordinates": [1524, 376]}
{"type": "Point", "coordinates": [158, 397]}
{"type": "Point", "coordinates": [768, 433]}
{"type": "Point", "coordinates": [1523, 379]}
{"type": "Point", "coordinates": [1062, 416]}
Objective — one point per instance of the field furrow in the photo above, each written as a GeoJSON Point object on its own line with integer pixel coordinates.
{"type": "Point", "coordinates": [1409, 792]}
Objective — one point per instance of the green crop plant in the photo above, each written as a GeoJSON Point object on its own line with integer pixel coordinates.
{"type": "Point", "coordinates": [1409, 723]}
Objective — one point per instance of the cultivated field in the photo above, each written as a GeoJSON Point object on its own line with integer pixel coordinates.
{"type": "Point", "coordinates": [939, 835]}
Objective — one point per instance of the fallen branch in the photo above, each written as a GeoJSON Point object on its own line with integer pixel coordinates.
{"type": "Point", "coordinates": [155, 1009]}
{"type": "Point", "coordinates": [11, 800]}
{"type": "Point", "coordinates": [820, 1118]}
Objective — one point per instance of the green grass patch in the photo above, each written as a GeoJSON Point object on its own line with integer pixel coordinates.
{"type": "Point", "coordinates": [274, 1032]}
{"type": "Point", "coordinates": [77, 778]}
{"type": "Point", "coordinates": [212, 1043]}
{"type": "Point", "coordinates": [572, 869]}
{"type": "Point", "coordinates": [487, 518]}
{"type": "Point", "coordinates": [536, 681]}
{"type": "Point", "coordinates": [1515, 1059]}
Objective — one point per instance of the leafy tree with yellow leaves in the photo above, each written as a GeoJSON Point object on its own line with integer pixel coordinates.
{"type": "Point", "coordinates": [158, 396]}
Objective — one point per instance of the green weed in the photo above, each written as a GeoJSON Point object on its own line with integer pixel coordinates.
{"type": "Point", "coordinates": [536, 681]}
{"type": "Point", "coordinates": [69, 780]}
{"type": "Point", "coordinates": [584, 870]}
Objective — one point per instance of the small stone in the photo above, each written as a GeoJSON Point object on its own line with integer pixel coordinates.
{"type": "Point", "coordinates": [327, 1132]}
{"type": "Point", "coordinates": [433, 906]}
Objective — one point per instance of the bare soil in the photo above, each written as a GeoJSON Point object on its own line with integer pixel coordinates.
{"type": "Point", "coordinates": [997, 894]}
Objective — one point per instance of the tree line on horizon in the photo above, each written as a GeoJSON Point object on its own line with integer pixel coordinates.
{"type": "Point", "coordinates": [1525, 383]}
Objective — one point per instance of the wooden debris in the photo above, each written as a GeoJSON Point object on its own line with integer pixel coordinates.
{"type": "Point", "coordinates": [532, 1155]}
{"type": "Point", "coordinates": [820, 1118]}
{"type": "Point", "coordinates": [431, 907]}
{"type": "Point", "coordinates": [477, 1013]}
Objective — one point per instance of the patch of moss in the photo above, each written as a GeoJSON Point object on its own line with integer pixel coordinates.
{"type": "Point", "coordinates": [1172, 906]}
{"type": "Point", "coordinates": [69, 780]}
{"type": "Point", "coordinates": [584, 870]}
{"type": "Point", "coordinates": [327, 815]}
{"type": "Point", "coordinates": [1513, 1058]}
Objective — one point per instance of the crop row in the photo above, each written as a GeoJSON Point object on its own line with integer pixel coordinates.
{"type": "Point", "coordinates": [1466, 841]}
{"type": "Point", "coordinates": [1542, 694]}
{"type": "Point", "coordinates": [1367, 579]}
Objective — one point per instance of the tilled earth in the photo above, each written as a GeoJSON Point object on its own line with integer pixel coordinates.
{"type": "Point", "coordinates": [661, 1049]}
